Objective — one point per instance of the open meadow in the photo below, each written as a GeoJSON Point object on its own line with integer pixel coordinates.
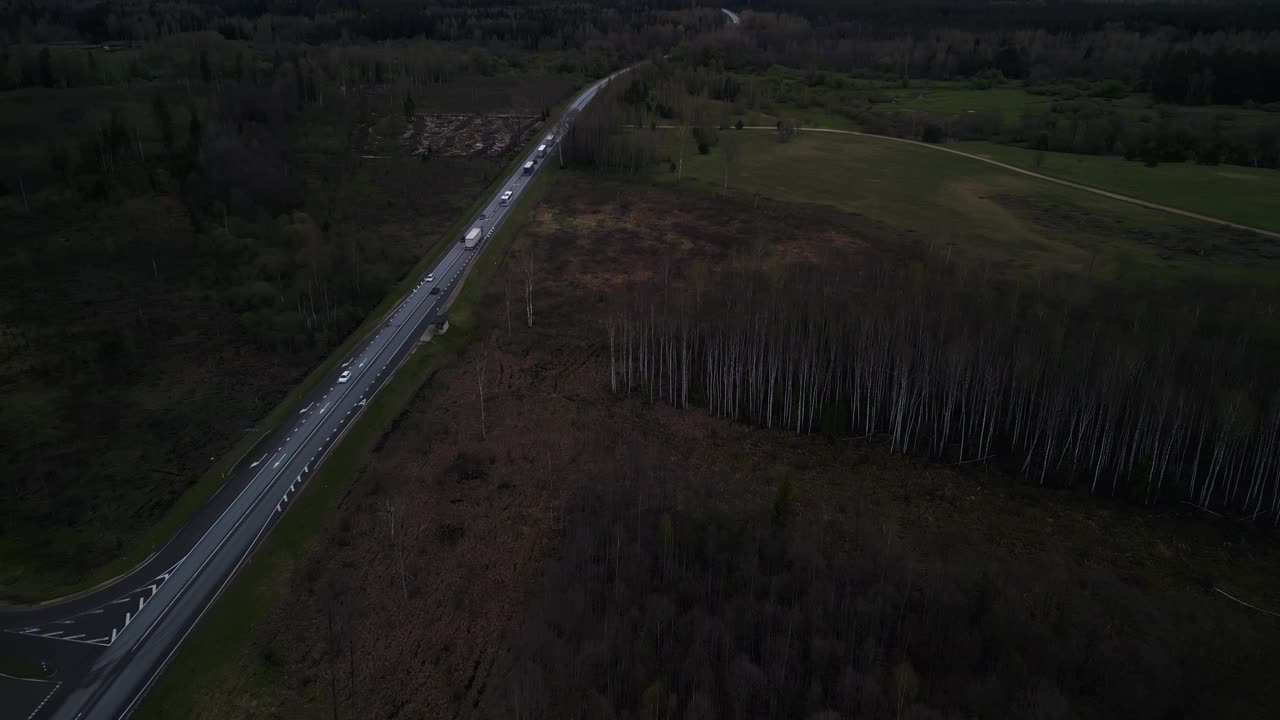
{"type": "Point", "coordinates": [1017, 225]}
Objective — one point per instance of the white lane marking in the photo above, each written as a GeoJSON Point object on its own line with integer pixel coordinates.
{"type": "Point", "coordinates": [123, 599]}
{"type": "Point", "coordinates": [45, 700]}
{"type": "Point", "coordinates": [100, 640]}
{"type": "Point", "coordinates": [141, 602]}
{"type": "Point", "coordinates": [326, 405]}
{"type": "Point", "coordinates": [73, 637]}
{"type": "Point", "coordinates": [304, 410]}
{"type": "Point", "coordinates": [52, 634]}
{"type": "Point", "coordinates": [257, 462]}
{"type": "Point", "coordinates": [273, 467]}
{"type": "Point", "coordinates": [114, 632]}
{"type": "Point", "coordinates": [92, 612]}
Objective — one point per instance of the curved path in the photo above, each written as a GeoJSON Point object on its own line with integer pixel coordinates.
{"type": "Point", "coordinates": [1058, 181]}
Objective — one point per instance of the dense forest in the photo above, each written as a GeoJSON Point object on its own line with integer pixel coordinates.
{"type": "Point", "coordinates": [1141, 397]}
{"type": "Point", "coordinates": [652, 612]}
{"type": "Point", "coordinates": [200, 206]}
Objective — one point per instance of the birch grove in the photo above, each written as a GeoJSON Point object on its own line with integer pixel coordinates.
{"type": "Point", "coordinates": [1142, 408]}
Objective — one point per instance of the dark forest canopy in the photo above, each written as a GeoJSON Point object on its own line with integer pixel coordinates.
{"type": "Point", "coordinates": [100, 20]}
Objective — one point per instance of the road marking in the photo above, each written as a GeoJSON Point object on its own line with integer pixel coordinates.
{"type": "Point", "coordinates": [45, 700]}
{"type": "Point", "coordinates": [73, 637]}
{"type": "Point", "coordinates": [323, 408]}
{"type": "Point", "coordinates": [113, 634]}
{"type": "Point", "coordinates": [304, 410]}
{"type": "Point", "coordinates": [273, 467]}
{"type": "Point", "coordinates": [97, 641]}
{"type": "Point", "coordinates": [51, 634]}
{"type": "Point", "coordinates": [257, 462]}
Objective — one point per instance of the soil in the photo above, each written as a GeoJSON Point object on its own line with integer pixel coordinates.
{"type": "Point", "coordinates": [405, 610]}
{"type": "Point", "coordinates": [462, 135]}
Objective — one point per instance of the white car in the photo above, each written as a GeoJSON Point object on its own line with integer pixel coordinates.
{"type": "Point", "coordinates": [431, 277]}
{"type": "Point", "coordinates": [345, 376]}
{"type": "Point", "coordinates": [506, 198]}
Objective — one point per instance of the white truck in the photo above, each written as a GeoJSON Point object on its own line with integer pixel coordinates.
{"type": "Point", "coordinates": [528, 168]}
{"type": "Point", "coordinates": [472, 238]}
{"type": "Point", "coordinates": [542, 151]}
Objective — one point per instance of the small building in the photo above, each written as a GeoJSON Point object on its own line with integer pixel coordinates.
{"type": "Point", "coordinates": [438, 325]}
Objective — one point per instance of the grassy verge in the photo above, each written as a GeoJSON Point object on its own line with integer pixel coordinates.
{"type": "Point", "coordinates": [35, 589]}
{"type": "Point", "coordinates": [217, 654]}
{"type": "Point", "coordinates": [1230, 192]}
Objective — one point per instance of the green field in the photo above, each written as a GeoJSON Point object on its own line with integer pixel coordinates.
{"type": "Point", "coordinates": [1017, 225]}
{"type": "Point", "coordinates": [1231, 192]}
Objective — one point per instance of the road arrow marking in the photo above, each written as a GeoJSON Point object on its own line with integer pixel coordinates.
{"type": "Point", "coordinates": [304, 410]}
{"type": "Point", "coordinates": [257, 462]}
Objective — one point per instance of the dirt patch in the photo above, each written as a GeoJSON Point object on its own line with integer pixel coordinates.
{"type": "Point", "coordinates": [464, 135]}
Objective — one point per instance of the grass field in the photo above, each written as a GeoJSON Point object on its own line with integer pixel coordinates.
{"type": "Point", "coordinates": [1014, 224]}
{"type": "Point", "coordinates": [1237, 194]}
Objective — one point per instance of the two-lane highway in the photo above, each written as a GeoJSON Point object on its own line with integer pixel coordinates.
{"type": "Point", "coordinates": [141, 625]}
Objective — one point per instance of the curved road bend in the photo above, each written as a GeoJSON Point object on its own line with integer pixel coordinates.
{"type": "Point", "coordinates": [110, 644]}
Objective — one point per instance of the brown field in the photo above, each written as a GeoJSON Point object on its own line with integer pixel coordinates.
{"type": "Point", "coordinates": [415, 602]}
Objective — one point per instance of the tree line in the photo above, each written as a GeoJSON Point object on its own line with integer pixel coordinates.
{"type": "Point", "coordinates": [1160, 403]}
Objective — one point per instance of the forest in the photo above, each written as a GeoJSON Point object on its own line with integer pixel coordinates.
{"type": "Point", "coordinates": [748, 618]}
{"type": "Point", "coordinates": [1142, 398]}
{"type": "Point", "coordinates": [195, 219]}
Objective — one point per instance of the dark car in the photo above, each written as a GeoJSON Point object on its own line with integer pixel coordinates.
{"type": "Point", "coordinates": [435, 291]}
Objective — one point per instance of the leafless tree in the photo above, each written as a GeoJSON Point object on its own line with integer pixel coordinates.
{"type": "Point", "coordinates": [482, 363]}
{"type": "Point", "coordinates": [526, 264]}
{"type": "Point", "coordinates": [397, 532]}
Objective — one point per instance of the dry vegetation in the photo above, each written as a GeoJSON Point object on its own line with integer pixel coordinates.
{"type": "Point", "coordinates": [460, 580]}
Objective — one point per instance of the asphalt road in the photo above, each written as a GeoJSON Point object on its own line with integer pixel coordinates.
{"type": "Point", "coordinates": [110, 645]}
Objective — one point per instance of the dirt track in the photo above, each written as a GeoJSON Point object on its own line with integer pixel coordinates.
{"type": "Point", "coordinates": [1006, 166]}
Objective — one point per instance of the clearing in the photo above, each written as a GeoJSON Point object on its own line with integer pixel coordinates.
{"type": "Point", "coordinates": [1018, 225]}
{"type": "Point", "coordinates": [1231, 192]}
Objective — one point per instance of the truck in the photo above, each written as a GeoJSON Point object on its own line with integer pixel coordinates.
{"type": "Point", "coordinates": [528, 168]}
{"type": "Point", "coordinates": [472, 238]}
{"type": "Point", "coordinates": [542, 151]}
